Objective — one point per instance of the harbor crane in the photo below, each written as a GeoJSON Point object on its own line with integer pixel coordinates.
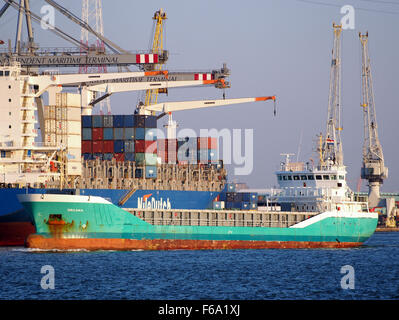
{"type": "Point", "coordinates": [169, 107]}
{"type": "Point", "coordinates": [373, 168]}
{"type": "Point", "coordinates": [157, 46]}
{"type": "Point", "coordinates": [332, 153]}
{"type": "Point", "coordinates": [34, 56]}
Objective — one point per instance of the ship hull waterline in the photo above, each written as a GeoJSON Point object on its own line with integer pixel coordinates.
{"type": "Point", "coordinates": [96, 224]}
{"type": "Point", "coordinates": [16, 224]}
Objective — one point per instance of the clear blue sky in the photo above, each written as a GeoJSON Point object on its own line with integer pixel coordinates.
{"type": "Point", "coordinates": [272, 47]}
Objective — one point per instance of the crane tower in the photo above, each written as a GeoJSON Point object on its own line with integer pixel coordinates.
{"type": "Point", "coordinates": [373, 168]}
{"type": "Point", "coordinates": [332, 153]}
{"type": "Point", "coordinates": [93, 16]}
{"type": "Point", "coordinates": [157, 47]}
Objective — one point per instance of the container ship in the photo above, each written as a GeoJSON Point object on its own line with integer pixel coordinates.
{"type": "Point", "coordinates": [314, 210]}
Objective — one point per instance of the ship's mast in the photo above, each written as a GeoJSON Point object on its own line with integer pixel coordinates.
{"type": "Point", "coordinates": [373, 168]}
{"type": "Point", "coordinates": [332, 153]}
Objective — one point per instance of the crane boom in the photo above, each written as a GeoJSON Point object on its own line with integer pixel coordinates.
{"type": "Point", "coordinates": [197, 104]}
{"type": "Point", "coordinates": [373, 167]}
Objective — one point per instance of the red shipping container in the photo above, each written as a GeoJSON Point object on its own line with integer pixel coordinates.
{"type": "Point", "coordinates": [151, 147]}
{"type": "Point", "coordinates": [162, 145]}
{"type": "Point", "coordinates": [98, 146]}
{"type": "Point", "coordinates": [172, 145]}
{"type": "Point", "coordinates": [144, 146]}
{"type": "Point", "coordinates": [172, 156]}
{"type": "Point", "coordinates": [97, 134]}
{"type": "Point", "coordinates": [207, 143]}
{"type": "Point", "coordinates": [108, 146]}
{"type": "Point", "coordinates": [87, 147]}
{"type": "Point", "coordinates": [119, 156]}
{"type": "Point", "coordinates": [163, 155]}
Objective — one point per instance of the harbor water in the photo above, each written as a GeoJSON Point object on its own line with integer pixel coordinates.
{"type": "Point", "coordinates": [367, 272]}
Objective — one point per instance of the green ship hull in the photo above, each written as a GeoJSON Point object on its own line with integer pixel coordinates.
{"type": "Point", "coordinates": [81, 222]}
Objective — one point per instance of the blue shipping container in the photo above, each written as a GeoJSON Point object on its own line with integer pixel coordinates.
{"type": "Point", "coordinates": [150, 121]}
{"type": "Point", "coordinates": [150, 171]}
{"type": "Point", "coordinates": [87, 156]}
{"type": "Point", "coordinates": [98, 155]}
{"type": "Point", "coordinates": [97, 121]}
{"type": "Point", "coordinates": [86, 133]}
{"type": "Point", "coordinates": [245, 206]}
{"type": "Point", "coordinates": [108, 133]}
{"type": "Point", "coordinates": [119, 146]}
{"type": "Point", "coordinates": [118, 121]}
{"type": "Point", "coordinates": [140, 134]}
{"type": "Point", "coordinates": [128, 121]}
{"type": "Point", "coordinates": [129, 156]}
{"type": "Point", "coordinates": [118, 133]}
{"type": "Point", "coordinates": [138, 173]}
{"type": "Point", "coordinates": [222, 196]}
{"type": "Point", "coordinates": [151, 134]}
{"type": "Point", "coordinates": [129, 146]}
{"type": "Point", "coordinates": [108, 156]}
{"type": "Point", "coordinates": [229, 205]}
{"type": "Point", "coordinates": [253, 206]}
{"type": "Point", "coordinates": [108, 121]}
{"type": "Point", "coordinates": [128, 134]}
{"type": "Point", "coordinates": [86, 121]}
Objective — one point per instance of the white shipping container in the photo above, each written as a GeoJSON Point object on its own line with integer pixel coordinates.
{"type": "Point", "coordinates": [50, 139]}
{"type": "Point", "coordinates": [58, 113]}
{"type": "Point", "coordinates": [74, 155]}
{"type": "Point", "coordinates": [74, 141]}
{"type": "Point", "coordinates": [61, 139]}
{"type": "Point", "coordinates": [49, 126]}
{"type": "Point", "coordinates": [68, 99]}
{"type": "Point", "coordinates": [60, 127]}
{"type": "Point", "coordinates": [49, 112]}
{"type": "Point", "coordinates": [74, 127]}
{"type": "Point", "coordinates": [74, 169]}
{"type": "Point", "coordinates": [73, 114]}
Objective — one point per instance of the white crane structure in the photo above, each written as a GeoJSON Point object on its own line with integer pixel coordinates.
{"type": "Point", "coordinates": [169, 107]}
{"type": "Point", "coordinates": [373, 167]}
{"type": "Point", "coordinates": [332, 153]}
{"type": "Point", "coordinates": [92, 15]}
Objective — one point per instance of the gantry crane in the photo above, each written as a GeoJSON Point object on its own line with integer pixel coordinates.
{"type": "Point", "coordinates": [157, 46]}
{"type": "Point", "coordinates": [373, 167]}
{"type": "Point", "coordinates": [332, 153]}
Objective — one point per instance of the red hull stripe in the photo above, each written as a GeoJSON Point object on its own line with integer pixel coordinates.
{"type": "Point", "coordinates": [36, 241]}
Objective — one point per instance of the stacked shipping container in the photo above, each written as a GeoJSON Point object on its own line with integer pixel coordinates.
{"type": "Point", "coordinates": [189, 150]}
{"type": "Point", "coordinates": [123, 137]}
{"type": "Point", "coordinates": [134, 138]}
{"type": "Point", "coordinates": [232, 200]}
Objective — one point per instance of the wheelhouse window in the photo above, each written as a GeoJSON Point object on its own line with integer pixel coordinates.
{"type": "Point", "coordinates": [304, 177]}
{"type": "Point", "coordinates": [310, 177]}
{"type": "Point", "coordinates": [333, 177]}
{"type": "Point", "coordinates": [289, 177]}
{"type": "Point", "coordinates": [279, 177]}
{"type": "Point", "coordinates": [296, 177]}
{"type": "Point", "coordinates": [341, 177]}
{"type": "Point", "coordinates": [318, 177]}
{"type": "Point", "coordinates": [326, 177]}
{"type": "Point", "coordinates": [284, 177]}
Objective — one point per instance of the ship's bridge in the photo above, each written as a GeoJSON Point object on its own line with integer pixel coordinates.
{"type": "Point", "coordinates": [301, 175]}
